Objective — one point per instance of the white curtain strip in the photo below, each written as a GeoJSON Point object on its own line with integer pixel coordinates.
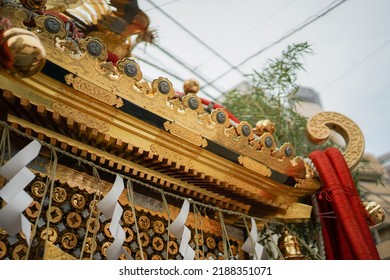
{"type": "Point", "coordinates": [182, 233]}
{"type": "Point", "coordinates": [250, 245]}
{"type": "Point", "coordinates": [19, 176]}
{"type": "Point", "coordinates": [112, 210]}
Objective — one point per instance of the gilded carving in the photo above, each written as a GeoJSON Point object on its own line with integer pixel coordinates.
{"type": "Point", "coordinates": [69, 240]}
{"type": "Point", "coordinates": [254, 166]}
{"type": "Point", "coordinates": [3, 249]}
{"type": "Point", "coordinates": [73, 219]}
{"type": "Point", "coordinates": [128, 217]}
{"type": "Point", "coordinates": [55, 253]}
{"type": "Point", "coordinates": [59, 194]}
{"type": "Point", "coordinates": [80, 117]}
{"type": "Point", "coordinates": [185, 134]}
{"type": "Point", "coordinates": [318, 130]}
{"type": "Point", "coordinates": [174, 156]}
{"type": "Point", "coordinates": [38, 188]}
{"type": "Point", "coordinates": [144, 222]}
{"type": "Point", "coordinates": [49, 234]}
{"type": "Point", "coordinates": [158, 227]}
{"type": "Point", "coordinates": [94, 91]}
{"type": "Point", "coordinates": [129, 234]}
{"type": "Point", "coordinates": [78, 201]}
{"type": "Point", "coordinates": [17, 15]}
{"type": "Point", "coordinates": [54, 214]}
{"type": "Point", "coordinates": [33, 210]}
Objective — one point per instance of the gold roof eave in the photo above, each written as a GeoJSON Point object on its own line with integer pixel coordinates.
{"type": "Point", "coordinates": [86, 115]}
{"type": "Point", "coordinates": [91, 74]}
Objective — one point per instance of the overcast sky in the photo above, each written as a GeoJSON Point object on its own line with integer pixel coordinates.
{"type": "Point", "coordinates": [350, 67]}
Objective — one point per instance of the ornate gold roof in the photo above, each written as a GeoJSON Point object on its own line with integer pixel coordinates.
{"type": "Point", "coordinates": [108, 114]}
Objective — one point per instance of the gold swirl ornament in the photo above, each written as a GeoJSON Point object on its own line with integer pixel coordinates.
{"type": "Point", "coordinates": [318, 131]}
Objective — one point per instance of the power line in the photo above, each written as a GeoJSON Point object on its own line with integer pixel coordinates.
{"type": "Point", "coordinates": [169, 73]}
{"type": "Point", "coordinates": [188, 68]}
{"type": "Point", "coordinates": [196, 37]}
{"type": "Point", "coordinates": [163, 4]}
{"type": "Point", "coordinates": [355, 65]}
{"type": "Point", "coordinates": [308, 21]}
{"type": "Point", "coordinates": [250, 30]}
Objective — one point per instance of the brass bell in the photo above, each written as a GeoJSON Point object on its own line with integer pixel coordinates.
{"type": "Point", "coordinates": [375, 214]}
{"type": "Point", "coordinates": [290, 248]}
{"type": "Point", "coordinates": [21, 51]}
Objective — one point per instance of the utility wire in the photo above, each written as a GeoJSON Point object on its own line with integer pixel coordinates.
{"type": "Point", "coordinates": [196, 37]}
{"type": "Point", "coordinates": [249, 31]}
{"type": "Point", "coordinates": [169, 73]}
{"type": "Point", "coordinates": [355, 65]}
{"type": "Point", "coordinates": [163, 4]}
{"type": "Point", "coordinates": [308, 21]}
{"type": "Point", "coordinates": [188, 68]}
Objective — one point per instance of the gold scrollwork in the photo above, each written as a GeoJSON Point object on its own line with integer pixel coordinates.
{"type": "Point", "coordinates": [185, 134]}
{"type": "Point", "coordinates": [80, 117]}
{"type": "Point", "coordinates": [158, 227]}
{"type": "Point", "coordinates": [17, 15]}
{"type": "Point", "coordinates": [19, 253]}
{"type": "Point", "coordinates": [144, 222]}
{"type": "Point", "coordinates": [49, 234]}
{"type": "Point", "coordinates": [210, 242]}
{"type": "Point", "coordinates": [38, 188]}
{"type": "Point", "coordinates": [69, 240]}
{"type": "Point", "coordinates": [254, 166]}
{"type": "Point", "coordinates": [78, 201]}
{"type": "Point", "coordinates": [90, 245]}
{"type": "Point", "coordinates": [128, 217]}
{"type": "Point", "coordinates": [94, 91]}
{"type": "Point", "coordinates": [174, 156]}
{"type": "Point", "coordinates": [3, 249]}
{"type": "Point", "coordinates": [59, 194]}
{"type": "Point", "coordinates": [318, 130]}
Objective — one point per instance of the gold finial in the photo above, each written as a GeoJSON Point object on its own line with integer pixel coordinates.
{"type": "Point", "coordinates": [264, 126]}
{"type": "Point", "coordinates": [191, 86]}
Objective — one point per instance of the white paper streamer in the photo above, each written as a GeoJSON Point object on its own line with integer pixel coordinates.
{"type": "Point", "coordinates": [12, 219]}
{"type": "Point", "coordinates": [112, 210]}
{"type": "Point", "coordinates": [250, 245]}
{"type": "Point", "coordinates": [182, 233]}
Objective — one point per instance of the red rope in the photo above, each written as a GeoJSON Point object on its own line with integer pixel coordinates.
{"type": "Point", "coordinates": [346, 180]}
{"type": "Point", "coordinates": [346, 236]}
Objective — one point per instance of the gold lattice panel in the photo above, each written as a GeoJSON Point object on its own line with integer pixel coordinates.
{"type": "Point", "coordinates": [75, 231]}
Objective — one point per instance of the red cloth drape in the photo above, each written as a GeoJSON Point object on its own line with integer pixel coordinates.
{"type": "Point", "coordinates": [348, 235]}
